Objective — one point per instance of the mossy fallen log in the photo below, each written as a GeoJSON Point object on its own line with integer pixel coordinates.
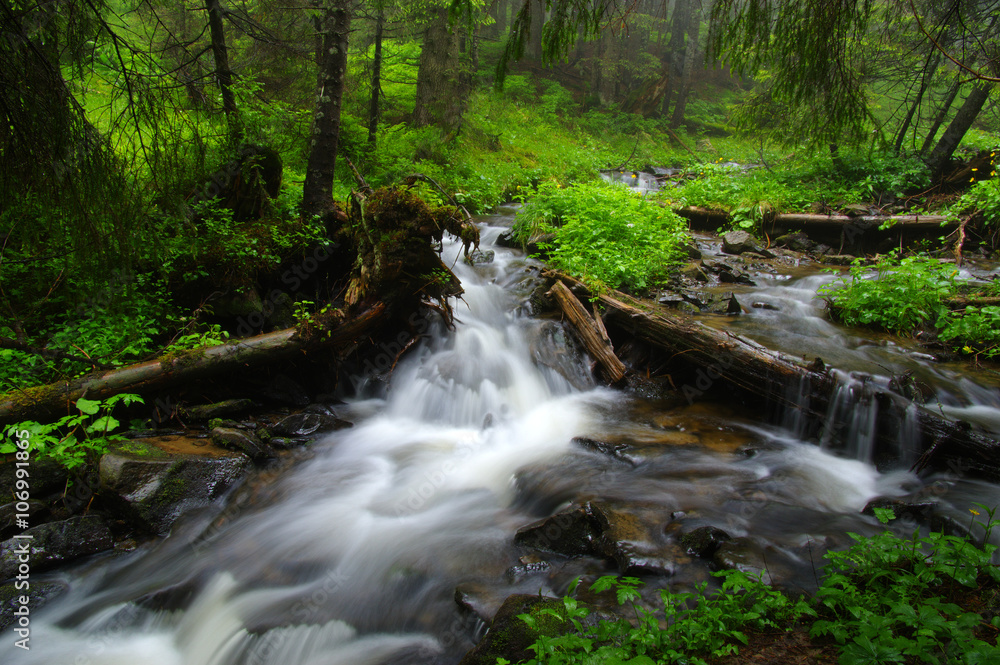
{"type": "Point", "coordinates": [57, 399]}
{"type": "Point", "coordinates": [709, 359]}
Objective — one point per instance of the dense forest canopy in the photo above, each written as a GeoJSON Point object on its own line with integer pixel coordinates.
{"type": "Point", "coordinates": [162, 161]}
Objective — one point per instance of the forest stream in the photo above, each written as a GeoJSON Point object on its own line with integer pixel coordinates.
{"type": "Point", "coordinates": [394, 541]}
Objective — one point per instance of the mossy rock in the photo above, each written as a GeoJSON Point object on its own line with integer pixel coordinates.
{"type": "Point", "coordinates": [509, 637]}
{"type": "Point", "coordinates": [153, 485]}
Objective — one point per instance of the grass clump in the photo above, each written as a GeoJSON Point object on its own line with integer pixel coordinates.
{"type": "Point", "coordinates": [604, 233]}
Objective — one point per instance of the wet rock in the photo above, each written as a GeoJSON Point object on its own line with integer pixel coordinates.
{"type": "Point", "coordinates": [704, 541]}
{"type": "Point", "coordinates": [633, 538]}
{"type": "Point", "coordinates": [480, 257]}
{"type": "Point", "coordinates": [228, 407]}
{"type": "Point", "coordinates": [725, 304]}
{"type": "Point", "coordinates": [56, 543]}
{"type": "Point", "coordinates": [917, 511]}
{"type": "Point", "coordinates": [153, 487]}
{"type": "Point", "coordinates": [692, 251]}
{"type": "Point", "coordinates": [479, 600]}
{"type": "Point", "coordinates": [670, 298]}
{"type": "Point", "coordinates": [765, 305]}
{"type": "Point", "coordinates": [737, 242]}
{"type": "Point", "coordinates": [283, 443]}
{"type": "Point", "coordinates": [47, 477]}
{"type": "Point", "coordinates": [836, 259]}
{"type": "Point", "coordinates": [8, 516]}
{"type": "Point", "coordinates": [687, 308]}
{"type": "Point", "coordinates": [244, 442]}
{"type": "Point", "coordinates": [748, 556]}
{"type": "Point", "coordinates": [797, 241]}
{"type": "Point", "coordinates": [509, 637]}
{"type": "Point", "coordinates": [38, 594]}
{"type": "Point", "coordinates": [535, 243]}
{"type": "Point", "coordinates": [618, 451]}
{"type": "Point", "coordinates": [570, 533]}
{"type": "Point", "coordinates": [506, 239]}
{"type": "Point", "coordinates": [735, 277]}
{"type": "Point", "coordinates": [305, 424]}
{"type": "Point", "coordinates": [693, 271]}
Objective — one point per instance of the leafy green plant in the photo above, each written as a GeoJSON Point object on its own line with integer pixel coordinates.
{"type": "Point", "coordinates": [605, 233]}
{"type": "Point", "coordinates": [902, 294]}
{"type": "Point", "coordinates": [73, 440]}
{"type": "Point", "coordinates": [885, 599]}
{"type": "Point", "coordinates": [977, 330]}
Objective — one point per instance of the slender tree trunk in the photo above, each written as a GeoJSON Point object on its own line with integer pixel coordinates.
{"type": "Point", "coordinates": [692, 55]}
{"type": "Point", "coordinates": [674, 58]}
{"type": "Point", "coordinates": [942, 114]}
{"type": "Point", "coordinates": [374, 107]}
{"type": "Point", "coordinates": [960, 124]}
{"type": "Point", "coordinates": [223, 74]}
{"type": "Point", "coordinates": [925, 80]}
{"type": "Point", "coordinates": [334, 23]}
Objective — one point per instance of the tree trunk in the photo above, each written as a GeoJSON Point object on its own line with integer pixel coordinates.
{"type": "Point", "coordinates": [534, 50]}
{"type": "Point", "coordinates": [317, 191]}
{"type": "Point", "coordinates": [692, 56]}
{"type": "Point", "coordinates": [374, 106]}
{"type": "Point", "coordinates": [223, 74]}
{"type": "Point", "coordinates": [674, 57]}
{"type": "Point", "coordinates": [960, 124]}
{"type": "Point", "coordinates": [591, 335]}
{"type": "Point", "coordinates": [440, 98]}
{"type": "Point", "coordinates": [933, 59]}
{"type": "Point", "coordinates": [942, 114]}
{"type": "Point", "coordinates": [57, 399]}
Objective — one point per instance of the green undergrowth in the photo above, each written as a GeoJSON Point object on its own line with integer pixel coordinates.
{"type": "Point", "coordinates": [885, 599]}
{"type": "Point", "coordinates": [908, 294]}
{"type": "Point", "coordinates": [604, 233]}
{"type": "Point", "coordinates": [75, 440]}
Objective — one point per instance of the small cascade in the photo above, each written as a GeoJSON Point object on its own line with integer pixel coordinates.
{"type": "Point", "coordinates": [353, 554]}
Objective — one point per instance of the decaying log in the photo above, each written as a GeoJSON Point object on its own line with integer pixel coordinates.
{"type": "Point", "coordinates": [861, 231]}
{"type": "Point", "coordinates": [721, 358]}
{"type": "Point", "coordinates": [589, 334]}
{"type": "Point", "coordinates": [57, 399]}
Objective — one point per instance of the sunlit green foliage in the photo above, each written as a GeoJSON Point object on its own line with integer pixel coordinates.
{"type": "Point", "coordinates": [605, 233]}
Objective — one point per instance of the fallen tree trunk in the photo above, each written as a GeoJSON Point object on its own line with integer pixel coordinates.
{"type": "Point", "coordinates": [862, 232]}
{"type": "Point", "coordinates": [810, 219]}
{"type": "Point", "coordinates": [598, 345]}
{"type": "Point", "coordinates": [761, 375]}
{"type": "Point", "coordinates": [57, 399]}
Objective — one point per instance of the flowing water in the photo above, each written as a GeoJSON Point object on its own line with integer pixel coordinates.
{"type": "Point", "coordinates": [353, 553]}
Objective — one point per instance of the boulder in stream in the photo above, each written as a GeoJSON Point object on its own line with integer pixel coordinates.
{"type": "Point", "coordinates": [55, 543]}
{"type": "Point", "coordinates": [153, 482]}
